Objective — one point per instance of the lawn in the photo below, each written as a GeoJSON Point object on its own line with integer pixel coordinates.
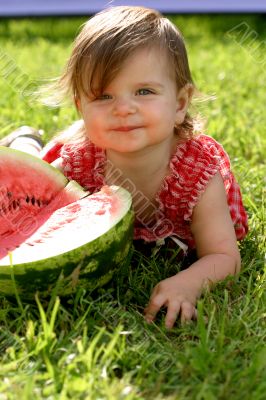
{"type": "Point", "coordinates": [97, 346]}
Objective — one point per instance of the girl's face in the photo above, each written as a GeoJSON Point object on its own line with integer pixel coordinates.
{"type": "Point", "coordinates": [138, 109]}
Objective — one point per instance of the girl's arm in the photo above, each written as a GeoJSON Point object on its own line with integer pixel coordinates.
{"type": "Point", "coordinates": [218, 254]}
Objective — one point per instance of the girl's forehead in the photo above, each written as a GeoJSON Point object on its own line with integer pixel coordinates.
{"type": "Point", "coordinates": [148, 51]}
{"type": "Point", "coordinates": [146, 58]}
{"type": "Point", "coordinates": [149, 59]}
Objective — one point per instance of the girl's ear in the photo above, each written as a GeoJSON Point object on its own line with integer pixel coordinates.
{"type": "Point", "coordinates": [183, 100]}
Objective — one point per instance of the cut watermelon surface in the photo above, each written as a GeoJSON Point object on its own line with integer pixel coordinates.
{"type": "Point", "coordinates": [29, 185]}
{"type": "Point", "coordinates": [54, 230]}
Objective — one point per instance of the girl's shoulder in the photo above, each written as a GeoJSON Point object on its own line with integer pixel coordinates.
{"type": "Point", "coordinates": [194, 163]}
{"type": "Point", "coordinates": [80, 160]}
{"type": "Point", "coordinates": [203, 145]}
{"type": "Point", "coordinates": [200, 154]}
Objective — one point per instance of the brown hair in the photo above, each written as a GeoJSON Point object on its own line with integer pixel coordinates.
{"type": "Point", "coordinates": [106, 41]}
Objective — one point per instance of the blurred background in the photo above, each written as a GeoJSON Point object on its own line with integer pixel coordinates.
{"type": "Point", "coordinates": [23, 8]}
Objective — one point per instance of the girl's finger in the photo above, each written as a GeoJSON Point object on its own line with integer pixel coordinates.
{"type": "Point", "coordinates": [156, 302]}
{"type": "Point", "coordinates": [188, 312]}
{"type": "Point", "coordinates": [195, 314]}
{"type": "Point", "coordinates": [172, 313]}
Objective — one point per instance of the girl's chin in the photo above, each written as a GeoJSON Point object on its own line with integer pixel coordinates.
{"type": "Point", "coordinates": [125, 148]}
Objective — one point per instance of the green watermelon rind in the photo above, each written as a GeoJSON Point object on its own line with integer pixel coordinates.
{"type": "Point", "coordinates": [89, 266]}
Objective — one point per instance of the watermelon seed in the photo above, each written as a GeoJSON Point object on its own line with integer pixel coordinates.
{"type": "Point", "coordinates": [27, 199]}
{"type": "Point", "coordinates": [33, 201]}
{"type": "Point", "coordinates": [39, 202]}
{"type": "Point", "coordinates": [9, 194]}
{"type": "Point", "coordinates": [14, 204]}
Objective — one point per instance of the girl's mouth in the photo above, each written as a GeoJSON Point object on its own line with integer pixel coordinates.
{"type": "Point", "coordinates": [125, 128]}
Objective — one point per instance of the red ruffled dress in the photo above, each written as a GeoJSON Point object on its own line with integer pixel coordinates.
{"type": "Point", "coordinates": [193, 164]}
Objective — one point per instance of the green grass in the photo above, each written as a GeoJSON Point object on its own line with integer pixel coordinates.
{"type": "Point", "coordinates": [97, 346]}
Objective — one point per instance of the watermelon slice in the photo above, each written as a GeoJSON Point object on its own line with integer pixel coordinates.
{"type": "Point", "coordinates": [56, 233]}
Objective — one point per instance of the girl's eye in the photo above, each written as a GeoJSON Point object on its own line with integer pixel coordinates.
{"type": "Point", "coordinates": [144, 92]}
{"type": "Point", "coordinates": [104, 96]}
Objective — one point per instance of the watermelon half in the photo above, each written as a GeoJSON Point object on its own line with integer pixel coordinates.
{"type": "Point", "coordinates": [53, 233]}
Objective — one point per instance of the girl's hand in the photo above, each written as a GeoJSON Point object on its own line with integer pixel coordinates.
{"type": "Point", "coordinates": [176, 293]}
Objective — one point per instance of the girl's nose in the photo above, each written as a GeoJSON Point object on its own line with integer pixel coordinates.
{"type": "Point", "coordinates": [124, 106]}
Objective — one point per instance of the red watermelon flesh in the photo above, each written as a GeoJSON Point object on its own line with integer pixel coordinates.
{"type": "Point", "coordinates": [30, 191]}
{"type": "Point", "coordinates": [67, 227]}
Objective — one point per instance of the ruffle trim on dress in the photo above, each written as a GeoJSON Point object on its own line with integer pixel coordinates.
{"type": "Point", "coordinates": [84, 164]}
